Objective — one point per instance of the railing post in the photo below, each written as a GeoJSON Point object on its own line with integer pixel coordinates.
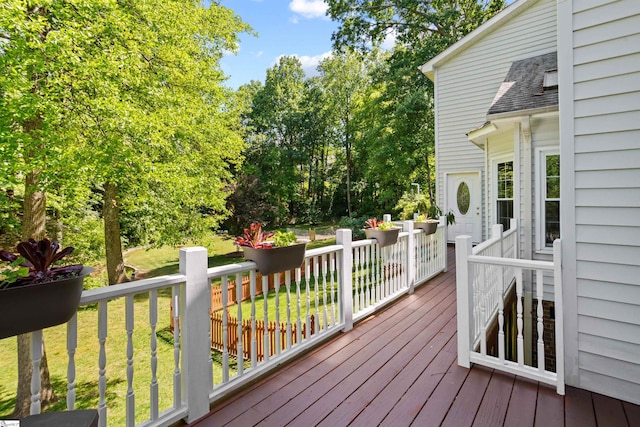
{"type": "Point", "coordinates": [559, 308]}
{"type": "Point", "coordinates": [197, 379]}
{"type": "Point", "coordinates": [496, 233]}
{"type": "Point", "coordinates": [411, 256]}
{"type": "Point", "coordinates": [386, 217]}
{"type": "Point", "coordinates": [464, 295]}
{"type": "Point", "coordinates": [443, 243]}
{"type": "Point", "coordinates": [345, 262]}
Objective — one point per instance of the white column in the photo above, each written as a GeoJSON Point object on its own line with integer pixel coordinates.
{"type": "Point", "coordinates": [345, 265]}
{"type": "Point", "coordinates": [559, 308]}
{"type": "Point", "coordinates": [197, 379]}
{"type": "Point", "coordinates": [464, 295]}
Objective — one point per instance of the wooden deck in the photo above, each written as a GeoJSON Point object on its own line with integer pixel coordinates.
{"type": "Point", "coordinates": [398, 368]}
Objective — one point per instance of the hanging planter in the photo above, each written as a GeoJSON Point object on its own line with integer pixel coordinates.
{"type": "Point", "coordinates": [276, 259]}
{"type": "Point", "coordinates": [384, 232]}
{"type": "Point", "coordinates": [429, 225]}
{"type": "Point", "coordinates": [47, 296]}
{"type": "Point", "coordinates": [272, 256]}
{"type": "Point", "coordinates": [37, 306]}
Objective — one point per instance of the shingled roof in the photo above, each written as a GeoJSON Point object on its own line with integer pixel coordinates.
{"type": "Point", "coordinates": [523, 88]}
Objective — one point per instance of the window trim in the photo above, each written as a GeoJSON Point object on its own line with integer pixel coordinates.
{"type": "Point", "coordinates": [540, 190]}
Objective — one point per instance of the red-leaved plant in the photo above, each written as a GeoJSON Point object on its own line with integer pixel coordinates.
{"type": "Point", "coordinates": [254, 237]}
{"type": "Point", "coordinates": [39, 259]}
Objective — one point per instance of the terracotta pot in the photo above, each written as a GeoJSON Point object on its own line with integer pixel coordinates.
{"type": "Point", "coordinates": [383, 237]}
{"type": "Point", "coordinates": [429, 227]}
{"type": "Point", "coordinates": [40, 305]}
{"type": "Point", "coordinates": [276, 260]}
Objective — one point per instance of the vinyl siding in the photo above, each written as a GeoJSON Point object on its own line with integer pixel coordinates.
{"type": "Point", "coordinates": [466, 83]}
{"type": "Point", "coordinates": [606, 40]}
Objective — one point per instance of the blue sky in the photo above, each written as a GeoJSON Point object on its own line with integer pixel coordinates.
{"type": "Point", "coordinates": [284, 27]}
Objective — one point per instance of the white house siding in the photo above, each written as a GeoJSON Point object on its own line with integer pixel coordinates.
{"type": "Point", "coordinates": [467, 82]}
{"type": "Point", "coordinates": [603, 252]}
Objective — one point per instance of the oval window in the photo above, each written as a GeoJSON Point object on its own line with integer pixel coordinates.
{"type": "Point", "coordinates": [463, 197]}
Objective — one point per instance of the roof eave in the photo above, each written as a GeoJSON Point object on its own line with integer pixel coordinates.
{"type": "Point", "coordinates": [520, 113]}
{"type": "Point", "coordinates": [478, 136]}
{"type": "Point", "coordinates": [428, 69]}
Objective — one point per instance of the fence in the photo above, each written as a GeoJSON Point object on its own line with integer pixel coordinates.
{"type": "Point", "coordinates": [272, 329]}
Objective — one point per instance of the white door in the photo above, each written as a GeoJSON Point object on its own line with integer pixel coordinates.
{"type": "Point", "coordinates": [463, 198]}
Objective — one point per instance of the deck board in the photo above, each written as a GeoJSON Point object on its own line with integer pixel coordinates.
{"type": "Point", "coordinates": [399, 368]}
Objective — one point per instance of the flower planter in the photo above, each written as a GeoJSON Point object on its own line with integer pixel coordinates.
{"type": "Point", "coordinates": [429, 227]}
{"type": "Point", "coordinates": [276, 260]}
{"type": "Point", "coordinates": [40, 305]}
{"type": "Point", "coordinates": [383, 237]}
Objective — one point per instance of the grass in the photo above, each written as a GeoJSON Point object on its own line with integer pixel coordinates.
{"type": "Point", "coordinates": [149, 263]}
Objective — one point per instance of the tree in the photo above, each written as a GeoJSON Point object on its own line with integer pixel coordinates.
{"type": "Point", "coordinates": [122, 97]}
{"type": "Point", "coordinates": [403, 139]}
{"type": "Point", "coordinates": [275, 152]}
{"type": "Point", "coordinates": [344, 78]}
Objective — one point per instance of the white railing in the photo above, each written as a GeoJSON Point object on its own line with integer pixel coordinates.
{"type": "Point", "coordinates": [484, 281]}
{"type": "Point", "coordinates": [335, 286]}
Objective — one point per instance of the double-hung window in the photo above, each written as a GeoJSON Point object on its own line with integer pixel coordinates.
{"type": "Point", "coordinates": [504, 199]}
{"type": "Point", "coordinates": [549, 198]}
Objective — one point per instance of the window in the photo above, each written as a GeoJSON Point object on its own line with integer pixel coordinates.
{"type": "Point", "coordinates": [550, 193]}
{"type": "Point", "coordinates": [504, 201]}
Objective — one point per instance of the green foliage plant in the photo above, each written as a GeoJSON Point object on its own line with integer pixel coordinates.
{"type": "Point", "coordinates": [284, 238]}
{"type": "Point", "coordinates": [374, 224]}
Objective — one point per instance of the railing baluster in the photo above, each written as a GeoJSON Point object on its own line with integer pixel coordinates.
{"type": "Point", "coordinates": [307, 286]}
{"type": "Point", "coordinates": [299, 306]}
{"type": "Point", "coordinates": [501, 336]}
{"type": "Point", "coordinates": [240, 345]}
{"type": "Point", "coordinates": [72, 344]}
{"type": "Point", "coordinates": [520, 324]}
{"type": "Point", "coordinates": [483, 310]}
{"type": "Point", "coordinates": [265, 301]}
{"type": "Point", "coordinates": [254, 338]}
{"type": "Point", "coordinates": [332, 272]}
{"type": "Point", "coordinates": [540, 296]}
{"type": "Point", "coordinates": [131, 407]}
{"type": "Point", "coordinates": [102, 362]}
{"type": "Point", "coordinates": [315, 287]}
{"type": "Point", "coordinates": [356, 264]}
{"type": "Point", "coordinates": [177, 375]}
{"type": "Point", "coordinates": [153, 321]}
{"type": "Point", "coordinates": [278, 339]}
{"type": "Point", "coordinates": [325, 316]}
{"type": "Point", "coordinates": [287, 283]}
{"type": "Point", "coordinates": [225, 332]}
{"type": "Point", "coordinates": [36, 357]}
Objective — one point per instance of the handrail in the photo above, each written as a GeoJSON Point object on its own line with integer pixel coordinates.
{"type": "Point", "coordinates": [92, 296]}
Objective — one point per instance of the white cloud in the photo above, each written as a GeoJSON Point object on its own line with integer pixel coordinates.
{"type": "Point", "coordinates": [309, 8]}
{"type": "Point", "coordinates": [390, 40]}
{"type": "Point", "coordinates": [309, 63]}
